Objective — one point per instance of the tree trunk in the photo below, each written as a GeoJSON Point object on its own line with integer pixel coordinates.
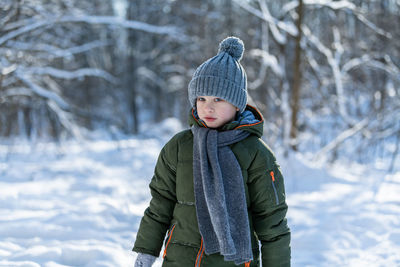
{"type": "Point", "coordinates": [296, 79]}
{"type": "Point", "coordinates": [131, 80]}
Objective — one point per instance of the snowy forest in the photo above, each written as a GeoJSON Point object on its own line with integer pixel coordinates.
{"type": "Point", "coordinates": [325, 74]}
{"type": "Point", "coordinates": [90, 91]}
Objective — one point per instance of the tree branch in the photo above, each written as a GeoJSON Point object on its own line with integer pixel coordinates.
{"type": "Point", "coordinates": [341, 138]}
{"type": "Point", "coordinates": [69, 75]}
{"type": "Point", "coordinates": [172, 31]}
{"type": "Point", "coordinates": [287, 26]}
{"type": "Point", "coordinates": [42, 92]}
{"type": "Point", "coordinates": [54, 50]}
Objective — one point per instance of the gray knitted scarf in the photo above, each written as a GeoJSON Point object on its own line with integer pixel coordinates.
{"type": "Point", "coordinates": [219, 194]}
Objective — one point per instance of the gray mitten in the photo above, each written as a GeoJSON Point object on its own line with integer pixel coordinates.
{"type": "Point", "coordinates": [144, 260]}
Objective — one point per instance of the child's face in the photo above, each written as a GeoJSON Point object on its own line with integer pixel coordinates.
{"type": "Point", "coordinates": [214, 111]}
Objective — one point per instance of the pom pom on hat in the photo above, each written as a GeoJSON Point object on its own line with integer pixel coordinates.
{"type": "Point", "coordinates": [233, 46]}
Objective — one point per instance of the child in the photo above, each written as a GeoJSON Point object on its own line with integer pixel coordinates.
{"type": "Point", "coordinates": [217, 188]}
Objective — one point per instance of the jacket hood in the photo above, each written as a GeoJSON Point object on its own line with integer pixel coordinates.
{"type": "Point", "coordinates": [250, 121]}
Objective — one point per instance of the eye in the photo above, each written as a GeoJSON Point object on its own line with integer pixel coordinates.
{"type": "Point", "coordinates": [200, 99]}
{"type": "Point", "coordinates": [218, 99]}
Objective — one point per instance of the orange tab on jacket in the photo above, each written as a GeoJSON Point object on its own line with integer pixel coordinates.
{"type": "Point", "coordinates": [272, 176]}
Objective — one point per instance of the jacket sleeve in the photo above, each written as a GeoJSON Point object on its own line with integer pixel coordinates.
{"type": "Point", "coordinates": [157, 217]}
{"type": "Point", "coordinates": [268, 209]}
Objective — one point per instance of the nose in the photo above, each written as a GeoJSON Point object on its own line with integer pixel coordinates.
{"type": "Point", "coordinates": [209, 107]}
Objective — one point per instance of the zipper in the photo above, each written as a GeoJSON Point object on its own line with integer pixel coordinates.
{"type": "Point", "coordinates": [273, 186]}
{"type": "Point", "coordinates": [199, 254]}
{"type": "Point", "coordinates": [169, 240]}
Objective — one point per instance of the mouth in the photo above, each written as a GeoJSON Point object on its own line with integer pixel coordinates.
{"type": "Point", "coordinates": [210, 119]}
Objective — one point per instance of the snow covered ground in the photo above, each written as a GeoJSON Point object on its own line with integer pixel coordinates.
{"type": "Point", "coordinates": [80, 203]}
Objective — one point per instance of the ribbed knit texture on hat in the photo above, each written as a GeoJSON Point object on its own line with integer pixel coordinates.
{"type": "Point", "coordinates": [222, 75]}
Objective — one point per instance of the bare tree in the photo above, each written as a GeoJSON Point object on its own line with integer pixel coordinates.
{"type": "Point", "coordinates": [41, 48]}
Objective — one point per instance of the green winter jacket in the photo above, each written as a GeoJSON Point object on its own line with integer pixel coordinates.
{"type": "Point", "coordinates": [172, 207]}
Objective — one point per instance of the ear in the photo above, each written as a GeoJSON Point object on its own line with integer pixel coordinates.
{"type": "Point", "coordinates": [237, 109]}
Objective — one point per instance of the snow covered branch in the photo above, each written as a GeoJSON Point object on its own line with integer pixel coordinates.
{"type": "Point", "coordinates": [280, 38]}
{"type": "Point", "coordinates": [22, 30]}
{"type": "Point", "coordinates": [373, 27]}
{"type": "Point", "coordinates": [368, 60]}
{"type": "Point", "coordinates": [7, 70]}
{"type": "Point", "coordinates": [152, 76]}
{"type": "Point", "coordinates": [42, 91]}
{"type": "Point", "coordinates": [334, 62]}
{"type": "Point", "coordinates": [64, 118]}
{"type": "Point", "coordinates": [338, 5]}
{"type": "Point", "coordinates": [53, 100]}
{"type": "Point", "coordinates": [286, 26]}
{"type": "Point", "coordinates": [269, 60]}
{"type": "Point", "coordinates": [17, 91]}
{"type": "Point", "coordinates": [335, 5]}
{"type": "Point", "coordinates": [69, 75]}
{"type": "Point", "coordinates": [341, 138]}
{"type": "Point", "coordinates": [172, 31]}
{"type": "Point", "coordinates": [342, 4]}
{"type": "Point", "coordinates": [54, 50]}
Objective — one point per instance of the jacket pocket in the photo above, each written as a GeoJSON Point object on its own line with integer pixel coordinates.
{"type": "Point", "coordinates": [272, 174]}
{"type": "Point", "coordinates": [169, 237]}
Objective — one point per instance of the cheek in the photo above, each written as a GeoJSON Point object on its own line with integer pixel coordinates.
{"type": "Point", "coordinates": [200, 110]}
{"type": "Point", "coordinates": [229, 113]}
{"type": "Point", "coordinates": [199, 106]}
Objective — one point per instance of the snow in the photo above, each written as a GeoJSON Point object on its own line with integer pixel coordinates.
{"type": "Point", "coordinates": [54, 50]}
{"type": "Point", "coordinates": [80, 204]}
{"type": "Point", "coordinates": [346, 215]}
{"type": "Point", "coordinates": [33, 24]}
{"type": "Point", "coordinates": [286, 26]}
{"type": "Point", "coordinates": [332, 4]}
{"type": "Point", "coordinates": [42, 91]}
{"type": "Point", "coordinates": [269, 60]}
{"type": "Point", "coordinates": [63, 74]}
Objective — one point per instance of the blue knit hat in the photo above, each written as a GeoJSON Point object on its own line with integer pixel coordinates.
{"type": "Point", "coordinates": [222, 75]}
